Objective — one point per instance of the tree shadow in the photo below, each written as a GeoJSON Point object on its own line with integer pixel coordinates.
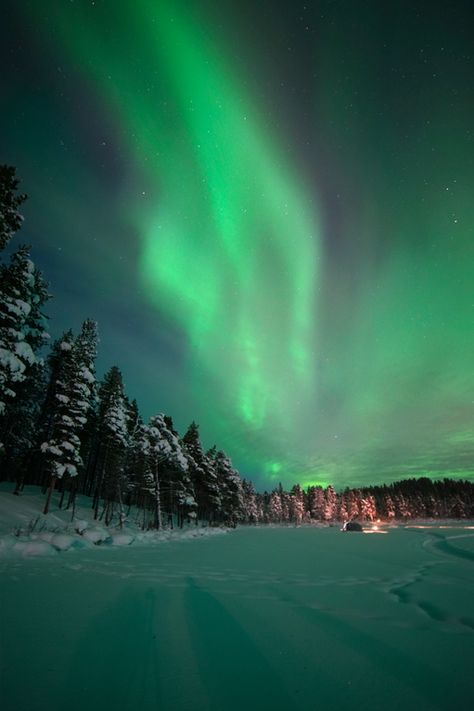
{"type": "Point", "coordinates": [115, 666]}
{"type": "Point", "coordinates": [233, 671]}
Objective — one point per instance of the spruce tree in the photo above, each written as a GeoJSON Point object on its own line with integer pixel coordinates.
{"type": "Point", "coordinates": [18, 427]}
{"type": "Point", "coordinates": [297, 504]}
{"type": "Point", "coordinates": [10, 201]}
{"type": "Point", "coordinates": [113, 444]}
{"type": "Point", "coordinates": [275, 508]}
{"type": "Point", "coordinates": [228, 489]}
{"type": "Point", "coordinates": [181, 494]}
{"type": "Point", "coordinates": [23, 294]}
{"type": "Point", "coordinates": [71, 394]}
{"type": "Point", "coordinates": [167, 466]}
{"type": "Point", "coordinates": [317, 502]}
{"type": "Point", "coordinates": [203, 475]}
{"type": "Point", "coordinates": [250, 505]}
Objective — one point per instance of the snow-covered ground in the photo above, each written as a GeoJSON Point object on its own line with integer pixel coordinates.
{"type": "Point", "coordinates": [26, 532]}
{"type": "Point", "coordinates": [262, 618]}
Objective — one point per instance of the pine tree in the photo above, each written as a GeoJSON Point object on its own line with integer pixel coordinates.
{"type": "Point", "coordinates": [341, 508]}
{"type": "Point", "coordinates": [23, 294]}
{"type": "Point", "coordinates": [330, 505]}
{"type": "Point", "coordinates": [317, 502]}
{"type": "Point", "coordinates": [86, 353]}
{"type": "Point", "coordinates": [164, 454]}
{"type": "Point", "coordinates": [71, 394]}
{"type": "Point", "coordinates": [113, 444]}
{"type": "Point", "coordinates": [275, 509]}
{"type": "Point", "coordinates": [181, 490]}
{"type": "Point", "coordinates": [297, 504]}
{"type": "Point", "coordinates": [131, 466]}
{"type": "Point", "coordinates": [250, 506]}
{"type": "Point", "coordinates": [368, 509]}
{"type": "Point", "coordinates": [353, 503]}
{"type": "Point", "coordinates": [285, 506]}
{"type": "Point", "coordinates": [10, 201]}
{"type": "Point", "coordinates": [203, 475]}
{"type": "Point", "coordinates": [18, 427]}
{"type": "Point", "coordinates": [229, 489]}
{"type": "Point", "coordinates": [389, 507]}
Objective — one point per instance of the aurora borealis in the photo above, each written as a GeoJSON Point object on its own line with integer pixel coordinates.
{"type": "Point", "coordinates": [268, 208]}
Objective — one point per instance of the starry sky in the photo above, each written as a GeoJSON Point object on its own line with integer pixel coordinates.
{"type": "Point", "coordinates": [269, 209]}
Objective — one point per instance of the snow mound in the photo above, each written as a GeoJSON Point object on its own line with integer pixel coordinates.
{"type": "Point", "coordinates": [33, 548]}
{"type": "Point", "coordinates": [96, 535]}
{"type": "Point", "coordinates": [122, 539]}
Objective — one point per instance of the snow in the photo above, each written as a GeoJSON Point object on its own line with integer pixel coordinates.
{"type": "Point", "coordinates": [18, 307]}
{"type": "Point", "coordinates": [266, 618]}
{"type": "Point", "coordinates": [25, 352]}
{"type": "Point", "coordinates": [87, 375]}
{"type": "Point", "coordinates": [9, 361]}
{"type": "Point", "coordinates": [21, 521]}
{"type": "Point", "coordinates": [67, 445]}
{"type": "Point", "coordinates": [50, 449]}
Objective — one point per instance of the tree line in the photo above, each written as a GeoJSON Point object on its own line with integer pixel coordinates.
{"type": "Point", "coordinates": [401, 500]}
{"type": "Point", "coordinates": [64, 430]}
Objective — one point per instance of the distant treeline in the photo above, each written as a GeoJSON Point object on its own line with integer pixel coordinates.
{"type": "Point", "coordinates": [402, 500]}
{"type": "Point", "coordinates": [63, 430]}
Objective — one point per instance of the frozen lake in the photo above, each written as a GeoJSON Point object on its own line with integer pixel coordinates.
{"type": "Point", "coordinates": [269, 618]}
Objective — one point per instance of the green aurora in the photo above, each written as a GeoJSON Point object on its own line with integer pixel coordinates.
{"type": "Point", "coordinates": [296, 208]}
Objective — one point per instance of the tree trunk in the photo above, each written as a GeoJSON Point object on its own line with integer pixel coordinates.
{"type": "Point", "coordinates": [63, 491]}
{"type": "Point", "coordinates": [73, 497]}
{"type": "Point", "coordinates": [72, 494]}
{"type": "Point", "coordinates": [20, 483]}
{"type": "Point", "coordinates": [48, 497]}
{"type": "Point", "coordinates": [157, 501]}
{"type": "Point", "coordinates": [120, 502]}
{"type": "Point", "coordinates": [98, 489]}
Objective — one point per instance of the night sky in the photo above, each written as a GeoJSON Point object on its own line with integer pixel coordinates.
{"type": "Point", "coordinates": [268, 207]}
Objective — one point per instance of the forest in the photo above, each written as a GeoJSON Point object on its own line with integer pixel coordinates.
{"type": "Point", "coordinates": [63, 429]}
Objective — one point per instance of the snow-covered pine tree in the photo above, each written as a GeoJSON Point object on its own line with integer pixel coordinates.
{"type": "Point", "coordinates": [203, 475]}
{"type": "Point", "coordinates": [23, 293]}
{"type": "Point", "coordinates": [275, 509]}
{"type": "Point", "coordinates": [353, 503]}
{"type": "Point", "coordinates": [134, 423]}
{"type": "Point", "coordinates": [37, 470]}
{"type": "Point", "coordinates": [114, 441]}
{"type": "Point", "coordinates": [297, 505]}
{"type": "Point", "coordinates": [341, 507]}
{"type": "Point", "coordinates": [368, 508]}
{"type": "Point", "coordinates": [10, 201]}
{"type": "Point", "coordinates": [230, 489]}
{"type": "Point", "coordinates": [71, 394]}
{"type": "Point", "coordinates": [165, 456]}
{"type": "Point", "coordinates": [18, 427]}
{"type": "Point", "coordinates": [250, 502]}
{"type": "Point", "coordinates": [317, 502]}
{"type": "Point", "coordinates": [388, 507]}
{"type": "Point", "coordinates": [139, 479]}
{"type": "Point", "coordinates": [85, 348]}
{"type": "Point", "coordinates": [181, 489]}
{"type": "Point", "coordinates": [285, 505]}
{"type": "Point", "coordinates": [402, 506]}
{"type": "Point", "coordinates": [330, 506]}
